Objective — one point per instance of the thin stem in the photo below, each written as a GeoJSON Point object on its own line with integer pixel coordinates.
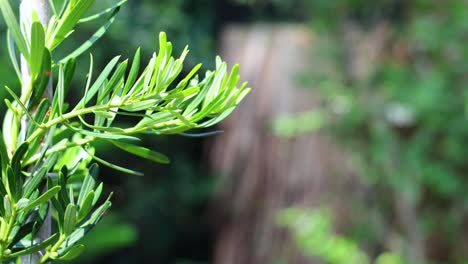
{"type": "Point", "coordinates": [5, 236]}
{"type": "Point", "coordinates": [11, 223]}
{"type": "Point", "coordinates": [65, 117]}
{"type": "Point", "coordinates": [53, 250]}
{"type": "Point", "coordinates": [58, 148]}
{"type": "Point", "coordinates": [19, 117]}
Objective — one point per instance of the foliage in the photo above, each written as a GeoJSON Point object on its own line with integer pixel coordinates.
{"type": "Point", "coordinates": [405, 124]}
{"type": "Point", "coordinates": [47, 146]}
{"type": "Point", "coordinates": [313, 232]}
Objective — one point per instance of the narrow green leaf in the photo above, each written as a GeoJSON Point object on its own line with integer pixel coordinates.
{"type": "Point", "coordinates": [218, 118]}
{"type": "Point", "coordinates": [69, 71]}
{"type": "Point", "coordinates": [101, 135]}
{"type": "Point", "coordinates": [57, 205]}
{"type": "Point", "coordinates": [48, 162]}
{"type": "Point", "coordinates": [42, 199]}
{"type": "Point", "coordinates": [86, 206]}
{"type": "Point", "coordinates": [37, 48]}
{"type": "Point", "coordinates": [64, 8]}
{"type": "Point", "coordinates": [102, 13]}
{"type": "Point", "coordinates": [97, 193]}
{"type": "Point", "coordinates": [73, 252]}
{"type": "Point", "coordinates": [140, 105]}
{"type": "Point", "coordinates": [148, 75]}
{"type": "Point", "coordinates": [215, 86]}
{"type": "Point", "coordinates": [142, 152]}
{"type": "Point", "coordinates": [33, 182]}
{"type": "Point", "coordinates": [88, 183]}
{"type": "Point", "coordinates": [88, 225]}
{"type": "Point", "coordinates": [12, 53]}
{"type": "Point", "coordinates": [7, 205]}
{"type": "Point", "coordinates": [13, 182]}
{"type": "Point", "coordinates": [53, 8]}
{"type": "Point", "coordinates": [243, 94]}
{"type": "Point", "coordinates": [183, 119]}
{"type": "Point", "coordinates": [116, 167]}
{"type": "Point", "coordinates": [12, 24]}
{"type": "Point", "coordinates": [153, 119]}
{"type": "Point", "coordinates": [115, 79]}
{"type": "Point", "coordinates": [42, 211]}
{"type": "Point", "coordinates": [137, 87]}
{"type": "Point", "coordinates": [204, 88]}
{"type": "Point", "coordinates": [39, 116]}
{"type": "Point", "coordinates": [205, 134]}
{"type": "Point", "coordinates": [37, 247]}
{"type": "Point", "coordinates": [62, 182]}
{"type": "Point", "coordinates": [88, 81]}
{"type": "Point", "coordinates": [69, 220]}
{"type": "Point", "coordinates": [71, 194]}
{"type": "Point", "coordinates": [161, 58]}
{"type": "Point", "coordinates": [3, 191]}
{"type": "Point", "coordinates": [7, 139]}
{"type": "Point", "coordinates": [99, 212]}
{"type": "Point", "coordinates": [95, 37]}
{"type": "Point", "coordinates": [132, 76]}
{"type": "Point", "coordinates": [3, 152]}
{"type": "Point", "coordinates": [183, 94]}
{"type": "Point", "coordinates": [18, 156]}
{"type": "Point", "coordinates": [22, 203]}
{"type": "Point", "coordinates": [183, 84]}
{"type": "Point", "coordinates": [67, 21]}
{"type": "Point", "coordinates": [43, 78]}
{"type": "Point", "coordinates": [103, 129]}
{"type": "Point", "coordinates": [170, 130]}
{"type": "Point", "coordinates": [18, 101]}
{"type": "Point", "coordinates": [233, 78]}
{"type": "Point", "coordinates": [98, 83]}
{"type": "Point", "coordinates": [60, 90]}
{"type": "Point", "coordinates": [22, 232]}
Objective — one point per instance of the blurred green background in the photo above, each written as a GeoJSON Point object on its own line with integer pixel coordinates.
{"type": "Point", "coordinates": [405, 123]}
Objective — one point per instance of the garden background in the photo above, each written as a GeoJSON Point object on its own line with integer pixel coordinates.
{"type": "Point", "coordinates": [368, 163]}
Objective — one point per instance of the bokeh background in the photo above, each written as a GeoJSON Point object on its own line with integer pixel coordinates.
{"type": "Point", "coordinates": [351, 148]}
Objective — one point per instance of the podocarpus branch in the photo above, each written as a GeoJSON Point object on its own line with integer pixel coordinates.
{"type": "Point", "coordinates": [45, 143]}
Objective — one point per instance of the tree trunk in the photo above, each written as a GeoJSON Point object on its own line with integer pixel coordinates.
{"type": "Point", "coordinates": [42, 9]}
{"type": "Point", "coordinates": [265, 173]}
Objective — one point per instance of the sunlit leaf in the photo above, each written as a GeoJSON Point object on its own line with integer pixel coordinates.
{"type": "Point", "coordinates": [43, 78]}
{"type": "Point", "coordinates": [142, 152]}
{"type": "Point", "coordinates": [69, 220]}
{"type": "Point", "coordinates": [73, 252]}
{"type": "Point", "coordinates": [13, 25]}
{"type": "Point", "coordinates": [12, 54]}
{"type": "Point", "coordinates": [98, 83]}
{"type": "Point", "coordinates": [95, 37]}
{"type": "Point", "coordinates": [102, 13]}
{"type": "Point", "coordinates": [37, 49]}
{"type": "Point", "coordinates": [36, 247]}
{"type": "Point", "coordinates": [43, 198]}
{"type": "Point", "coordinates": [67, 22]}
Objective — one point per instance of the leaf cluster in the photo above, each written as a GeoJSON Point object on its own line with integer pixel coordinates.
{"type": "Point", "coordinates": [46, 146]}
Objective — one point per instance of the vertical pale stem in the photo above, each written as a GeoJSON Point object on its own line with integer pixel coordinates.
{"type": "Point", "coordinates": [27, 7]}
{"type": "Point", "coordinates": [42, 9]}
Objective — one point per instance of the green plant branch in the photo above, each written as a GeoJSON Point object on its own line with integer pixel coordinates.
{"type": "Point", "coordinates": [160, 105]}
{"type": "Point", "coordinates": [5, 236]}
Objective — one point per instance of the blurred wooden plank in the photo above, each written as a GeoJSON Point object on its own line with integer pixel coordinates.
{"type": "Point", "coordinates": [264, 172]}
